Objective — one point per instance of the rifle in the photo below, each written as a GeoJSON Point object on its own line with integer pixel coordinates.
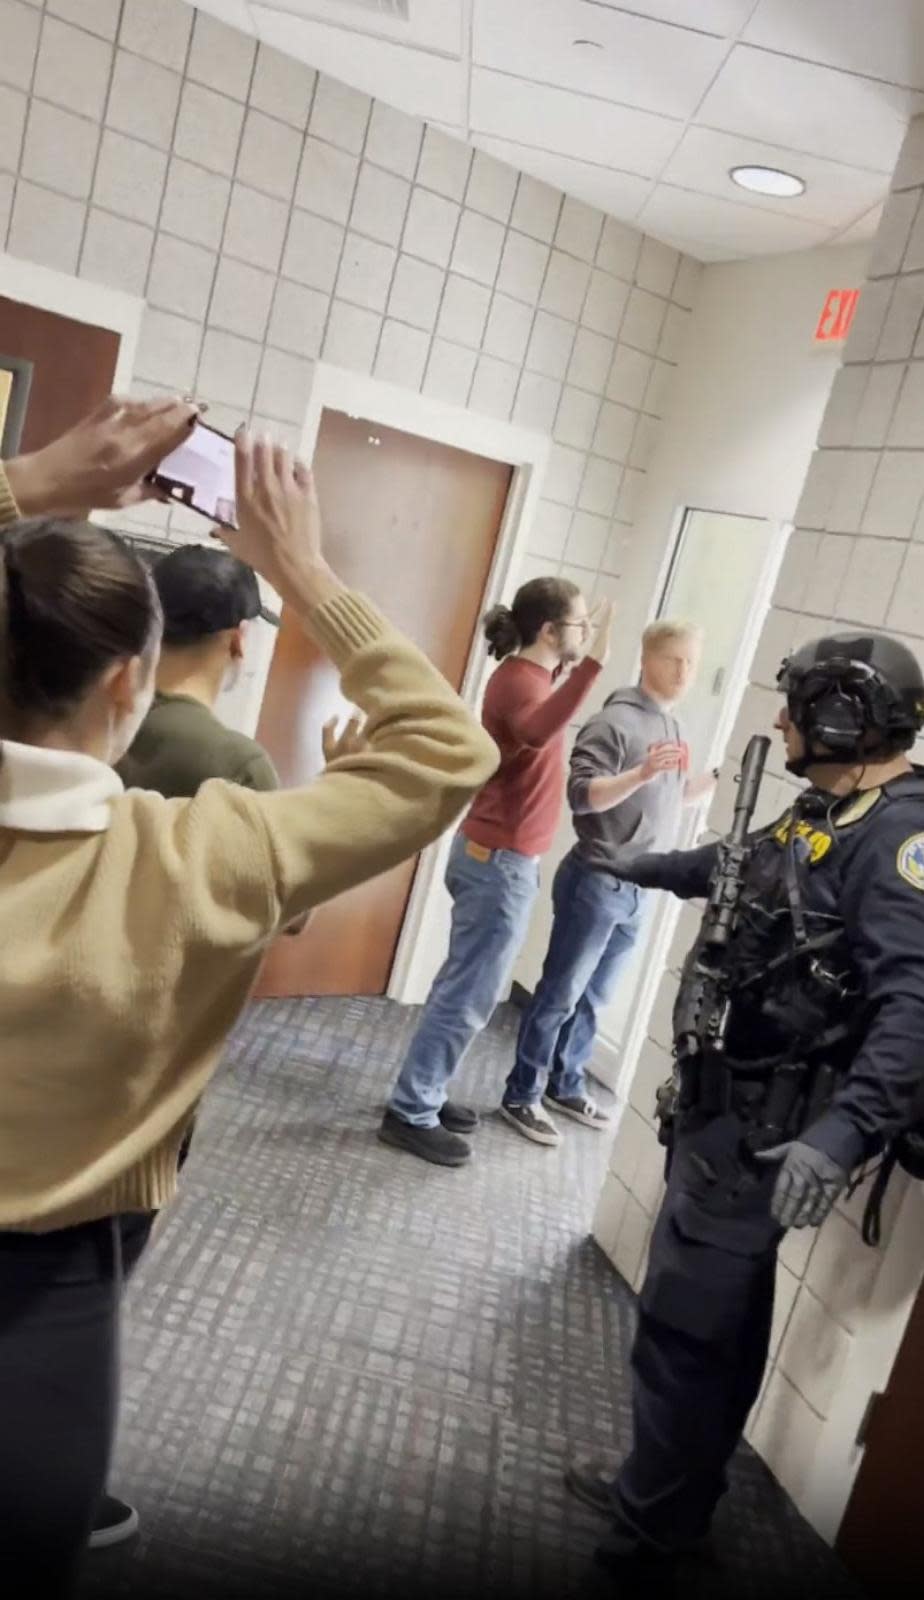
{"type": "Point", "coordinates": [702, 1007]}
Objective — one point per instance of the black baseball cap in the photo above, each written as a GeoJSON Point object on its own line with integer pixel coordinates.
{"type": "Point", "coordinates": [204, 591]}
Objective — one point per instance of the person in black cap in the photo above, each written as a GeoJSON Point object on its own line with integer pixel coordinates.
{"type": "Point", "coordinates": [210, 600]}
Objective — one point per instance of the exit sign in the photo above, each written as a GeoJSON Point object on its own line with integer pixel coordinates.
{"type": "Point", "coordinates": [836, 316]}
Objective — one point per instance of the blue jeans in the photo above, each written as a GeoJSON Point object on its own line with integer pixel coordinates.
{"type": "Point", "coordinates": [595, 926]}
{"type": "Point", "coordinates": [492, 902]}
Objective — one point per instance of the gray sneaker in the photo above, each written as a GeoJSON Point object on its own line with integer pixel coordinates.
{"type": "Point", "coordinates": [532, 1122]}
{"type": "Point", "coordinates": [581, 1109]}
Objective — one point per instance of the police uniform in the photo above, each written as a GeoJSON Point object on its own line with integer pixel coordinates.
{"type": "Point", "coordinates": [823, 1045]}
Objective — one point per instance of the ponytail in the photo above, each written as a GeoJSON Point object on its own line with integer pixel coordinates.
{"type": "Point", "coordinates": [501, 632]}
{"type": "Point", "coordinates": [73, 599]}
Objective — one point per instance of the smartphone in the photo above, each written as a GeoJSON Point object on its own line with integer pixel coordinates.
{"type": "Point", "coordinates": [199, 473]}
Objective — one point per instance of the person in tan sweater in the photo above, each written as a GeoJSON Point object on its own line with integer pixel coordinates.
{"type": "Point", "coordinates": [132, 927]}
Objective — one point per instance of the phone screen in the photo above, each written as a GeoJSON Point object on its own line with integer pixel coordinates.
{"type": "Point", "coordinates": [199, 473]}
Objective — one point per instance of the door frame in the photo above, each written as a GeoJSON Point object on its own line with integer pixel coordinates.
{"type": "Point", "coordinates": [423, 930]}
{"type": "Point", "coordinates": [615, 1064]}
{"type": "Point", "coordinates": [81, 301]}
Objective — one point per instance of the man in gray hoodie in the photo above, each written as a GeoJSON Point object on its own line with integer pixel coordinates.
{"type": "Point", "coordinates": [629, 781]}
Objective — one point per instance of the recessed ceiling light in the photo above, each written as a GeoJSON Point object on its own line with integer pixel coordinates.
{"type": "Point", "coordinates": [768, 180]}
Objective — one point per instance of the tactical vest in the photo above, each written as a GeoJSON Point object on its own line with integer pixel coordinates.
{"type": "Point", "coordinates": [796, 997]}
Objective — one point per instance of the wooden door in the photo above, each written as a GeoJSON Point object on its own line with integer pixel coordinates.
{"type": "Point", "coordinates": [880, 1536]}
{"type": "Point", "coordinates": [73, 367]}
{"type": "Point", "coordinates": [414, 525]}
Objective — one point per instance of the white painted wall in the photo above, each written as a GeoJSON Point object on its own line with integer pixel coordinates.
{"type": "Point", "coordinates": [741, 420]}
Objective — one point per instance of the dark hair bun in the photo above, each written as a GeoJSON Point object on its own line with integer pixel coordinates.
{"type": "Point", "coordinates": [501, 632]}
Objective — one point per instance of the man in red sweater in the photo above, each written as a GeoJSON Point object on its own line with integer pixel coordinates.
{"type": "Point", "coordinates": [493, 874]}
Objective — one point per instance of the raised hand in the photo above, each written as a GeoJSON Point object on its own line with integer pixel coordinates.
{"type": "Point", "coordinates": [668, 756]}
{"type": "Point", "coordinates": [102, 463]}
{"type": "Point", "coordinates": [601, 626]}
{"type": "Point", "coordinates": [279, 522]}
{"type": "Point", "coordinates": [348, 742]}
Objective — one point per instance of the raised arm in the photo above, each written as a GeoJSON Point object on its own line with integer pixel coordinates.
{"type": "Point", "coordinates": [270, 857]}
{"type": "Point", "coordinates": [101, 463]}
{"type": "Point", "coordinates": [535, 719]}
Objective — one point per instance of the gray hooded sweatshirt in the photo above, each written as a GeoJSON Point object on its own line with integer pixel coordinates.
{"type": "Point", "coordinates": [613, 741]}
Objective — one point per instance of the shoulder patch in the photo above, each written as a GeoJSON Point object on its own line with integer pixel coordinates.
{"type": "Point", "coordinates": [910, 861]}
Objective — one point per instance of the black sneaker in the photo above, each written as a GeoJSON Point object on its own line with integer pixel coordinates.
{"type": "Point", "coordinates": [459, 1119]}
{"type": "Point", "coordinates": [581, 1109]}
{"type": "Point", "coordinates": [115, 1521]}
{"type": "Point", "coordinates": [438, 1145]}
{"type": "Point", "coordinates": [532, 1123]}
{"type": "Point", "coordinates": [592, 1482]}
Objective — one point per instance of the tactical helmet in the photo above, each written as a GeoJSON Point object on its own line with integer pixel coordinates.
{"type": "Point", "coordinates": [858, 694]}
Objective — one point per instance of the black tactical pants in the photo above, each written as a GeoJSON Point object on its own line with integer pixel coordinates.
{"type": "Point", "coordinates": [702, 1342]}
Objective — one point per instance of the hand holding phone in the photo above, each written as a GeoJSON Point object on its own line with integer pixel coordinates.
{"type": "Point", "coordinates": [199, 474]}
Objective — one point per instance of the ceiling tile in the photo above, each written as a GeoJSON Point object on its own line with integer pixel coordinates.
{"type": "Point", "coordinates": [421, 84]}
{"type": "Point", "coordinates": [723, 17]}
{"type": "Point", "coordinates": [811, 108]}
{"type": "Point", "coordinates": [883, 39]}
{"type": "Point", "coordinates": [619, 194]}
{"type": "Point", "coordinates": [641, 63]}
{"type": "Point", "coordinates": [834, 194]}
{"type": "Point", "coordinates": [728, 230]}
{"type": "Point", "coordinates": [533, 114]}
{"type": "Point", "coordinates": [432, 24]}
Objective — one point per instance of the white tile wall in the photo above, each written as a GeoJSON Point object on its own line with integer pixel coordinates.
{"type": "Point", "coordinates": [72, 69]}
{"type": "Point", "coordinates": [444, 164]}
{"type": "Point", "coordinates": [157, 29]}
{"type": "Point", "coordinates": [60, 150]}
{"type": "Point", "coordinates": [143, 99]}
{"type": "Point", "coordinates": [492, 186]}
{"type": "Point", "coordinates": [269, 155]}
{"type": "Point", "coordinates": [116, 252]}
{"type": "Point", "coordinates": [415, 294]}
{"type": "Point", "coordinates": [464, 312]}
{"type": "Point", "coordinates": [326, 180]}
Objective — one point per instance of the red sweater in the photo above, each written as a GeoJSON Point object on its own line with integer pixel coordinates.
{"type": "Point", "coordinates": [518, 809]}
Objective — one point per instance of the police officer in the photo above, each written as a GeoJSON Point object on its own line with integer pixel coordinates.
{"type": "Point", "coordinates": [818, 1072]}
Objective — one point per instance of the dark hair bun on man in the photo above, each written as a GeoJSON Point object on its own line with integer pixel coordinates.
{"type": "Point", "coordinates": [501, 632]}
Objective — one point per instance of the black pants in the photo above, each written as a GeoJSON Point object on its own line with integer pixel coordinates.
{"type": "Point", "coordinates": [703, 1336]}
{"type": "Point", "coordinates": [59, 1327]}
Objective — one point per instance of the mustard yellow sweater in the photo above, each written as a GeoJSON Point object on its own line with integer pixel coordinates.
{"type": "Point", "coordinates": [127, 953]}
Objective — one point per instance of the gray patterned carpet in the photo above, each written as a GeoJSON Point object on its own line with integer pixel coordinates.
{"type": "Point", "coordinates": [346, 1373]}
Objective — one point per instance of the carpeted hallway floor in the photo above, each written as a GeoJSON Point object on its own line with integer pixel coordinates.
{"type": "Point", "coordinates": [348, 1374]}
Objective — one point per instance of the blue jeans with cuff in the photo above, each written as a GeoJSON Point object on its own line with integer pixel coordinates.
{"type": "Point", "coordinates": [493, 892]}
{"type": "Point", "coordinates": [595, 926]}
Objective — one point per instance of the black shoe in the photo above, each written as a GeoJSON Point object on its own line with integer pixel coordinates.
{"type": "Point", "coordinates": [459, 1119]}
{"type": "Point", "coordinates": [438, 1145]}
{"type": "Point", "coordinates": [115, 1521]}
{"type": "Point", "coordinates": [592, 1482]}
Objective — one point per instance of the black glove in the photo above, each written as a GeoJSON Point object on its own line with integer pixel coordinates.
{"type": "Point", "coordinates": [808, 1184]}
